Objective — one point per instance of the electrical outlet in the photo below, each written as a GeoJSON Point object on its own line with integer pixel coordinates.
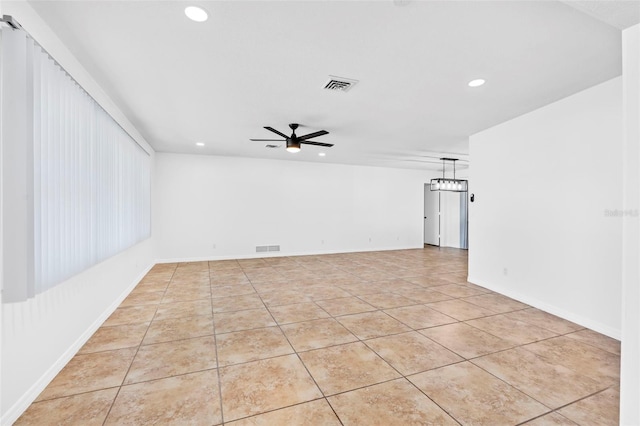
{"type": "Point", "coordinates": [505, 272]}
{"type": "Point", "coordinates": [369, 239]}
{"type": "Point", "coordinates": [214, 245]}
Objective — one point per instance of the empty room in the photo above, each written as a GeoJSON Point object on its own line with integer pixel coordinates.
{"type": "Point", "coordinates": [389, 212]}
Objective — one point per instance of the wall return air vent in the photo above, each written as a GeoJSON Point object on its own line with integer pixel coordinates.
{"type": "Point", "coordinates": [339, 84]}
{"type": "Point", "coordinates": [264, 249]}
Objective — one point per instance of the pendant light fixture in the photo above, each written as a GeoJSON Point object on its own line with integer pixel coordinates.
{"type": "Point", "coordinates": [448, 184]}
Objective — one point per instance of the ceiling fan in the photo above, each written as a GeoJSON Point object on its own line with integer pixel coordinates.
{"type": "Point", "coordinates": [294, 141]}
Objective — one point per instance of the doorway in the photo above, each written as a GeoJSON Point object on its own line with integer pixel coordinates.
{"type": "Point", "coordinates": [431, 216]}
{"type": "Point", "coordinates": [445, 218]}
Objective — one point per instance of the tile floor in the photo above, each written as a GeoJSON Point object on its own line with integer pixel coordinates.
{"type": "Point", "coordinates": [384, 338]}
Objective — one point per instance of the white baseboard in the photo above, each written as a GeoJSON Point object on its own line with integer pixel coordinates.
{"type": "Point", "coordinates": [15, 411]}
{"type": "Point", "coordinates": [280, 254]}
{"type": "Point", "coordinates": [552, 309]}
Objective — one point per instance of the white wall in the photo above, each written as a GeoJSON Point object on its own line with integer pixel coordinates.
{"type": "Point", "coordinates": [39, 336]}
{"type": "Point", "coordinates": [630, 368]}
{"type": "Point", "coordinates": [306, 208]}
{"type": "Point", "coordinates": [538, 228]}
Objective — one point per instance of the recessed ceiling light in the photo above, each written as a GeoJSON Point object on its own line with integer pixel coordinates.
{"type": "Point", "coordinates": [476, 83]}
{"type": "Point", "coordinates": [199, 143]}
{"type": "Point", "coordinates": [322, 154]}
{"type": "Point", "coordinates": [196, 13]}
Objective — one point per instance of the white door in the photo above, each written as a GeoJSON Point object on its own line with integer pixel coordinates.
{"type": "Point", "coordinates": [431, 216]}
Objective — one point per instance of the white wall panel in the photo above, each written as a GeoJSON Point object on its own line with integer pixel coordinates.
{"type": "Point", "coordinates": [541, 227]}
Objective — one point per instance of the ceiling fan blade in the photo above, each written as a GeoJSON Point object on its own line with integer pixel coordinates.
{"type": "Point", "coordinates": [271, 129]}
{"type": "Point", "coordinates": [312, 135]}
{"type": "Point", "coordinates": [267, 140]}
{"type": "Point", "coordinates": [328, 145]}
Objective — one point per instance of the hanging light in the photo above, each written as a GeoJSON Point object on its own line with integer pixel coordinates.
{"type": "Point", "coordinates": [454, 185]}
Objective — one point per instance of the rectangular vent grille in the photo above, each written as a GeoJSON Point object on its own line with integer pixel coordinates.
{"type": "Point", "coordinates": [272, 146]}
{"type": "Point", "coordinates": [264, 249]}
{"type": "Point", "coordinates": [339, 84]}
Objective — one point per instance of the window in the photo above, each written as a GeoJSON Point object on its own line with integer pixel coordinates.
{"type": "Point", "coordinates": [76, 186]}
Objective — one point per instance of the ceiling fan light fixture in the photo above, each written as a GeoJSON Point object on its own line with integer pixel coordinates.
{"type": "Point", "coordinates": [293, 146]}
{"type": "Point", "coordinates": [196, 13]}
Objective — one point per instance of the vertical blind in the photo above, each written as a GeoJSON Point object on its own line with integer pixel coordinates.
{"type": "Point", "coordinates": [90, 190]}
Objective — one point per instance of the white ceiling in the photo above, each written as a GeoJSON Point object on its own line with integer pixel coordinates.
{"type": "Point", "coordinates": [264, 63]}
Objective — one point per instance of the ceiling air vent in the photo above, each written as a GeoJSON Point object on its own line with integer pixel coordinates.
{"type": "Point", "coordinates": [339, 84]}
{"type": "Point", "coordinates": [272, 146]}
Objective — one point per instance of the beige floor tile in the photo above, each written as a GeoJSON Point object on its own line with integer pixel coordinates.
{"type": "Point", "coordinates": [232, 290]}
{"type": "Point", "coordinates": [419, 316]}
{"type": "Point", "coordinates": [535, 376]}
{"type": "Point", "coordinates": [396, 285]}
{"type": "Point", "coordinates": [226, 322]}
{"type": "Point", "coordinates": [286, 297]}
{"type": "Point", "coordinates": [189, 280]}
{"type": "Point", "coordinates": [192, 399]}
{"type": "Point", "coordinates": [85, 409]}
{"type": "Point", "coordinates": [316, 412]}
{"type": "Point", "coordinates": [456, 290]}
{"type": "Point", "coordinates": [598, 340]}
{"type": "Point", "coordinates": [423, 295]}
{"type": "Point", "coordinates": [496, 303]}
{"type": "Point", "coordinates": [387, 300]}
{"type": "Point", "coordinates": [178, 328]}
{"type": "Point", "coordinates": [89, 372]}
{"type": "Point", "coordinates": [151, 286]}
{"type": "Point", "coordinates": [326, 292]}
{"type": "Point", "coordinates": [392, 403]}
{"type": "Point", "coordinates": [298, 312]}
{"type": "Point", "coordinates": [317, 334]}
{"type": "Point", "coordinates": [361, 288]}
{"type": "Point", "coordinates": [281, 285]}
{"type": "Point", "coordinates": [428, 280]}
{"type": "Point", "coordinates": [265, 385]}
{"type": "Point", "coordinates": [131, 315]}
{"type": "Point", "coordinates": [115, 337]}
{"type": "Point", "coordinates": [236, 303]}
{"type": "Point", "coordinates": [228, 279]}
{"type": "Point", "coordinates": [473, 396]}
{"type": "Point", "coordinates": [146, 298]}
{"type": "Point", "coordinates": [466, 341]}
{"type": "Point", "coordinates": [587, 360]}
{"type": "Point", "coordinates": [372, 324]}
{"type": "Point", "coordinates": [183, 295]}
{"type": "Point", "coordinates": [545, 320]}
{"type": "Point", "coordinates": [345, 306]}
{"type": "Point", "coordinates": [172, 358]}
{"type": "Point", "coordinates": [346, 367]}
{"type": "Point", "coordinates": [599, 410]}
{"type": "Point", "coordinates": [517, 332]}
{"type": "Point", "coordinates": [411, 353]}
{"type": "Point", "coordinates": [551, 419]}
{"type": "Point", "coordinates": [251, 345]}
{"type": "Point", "coordinates": [190, 308]}
{"type": "Point", "coordinates": [460, 310]}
